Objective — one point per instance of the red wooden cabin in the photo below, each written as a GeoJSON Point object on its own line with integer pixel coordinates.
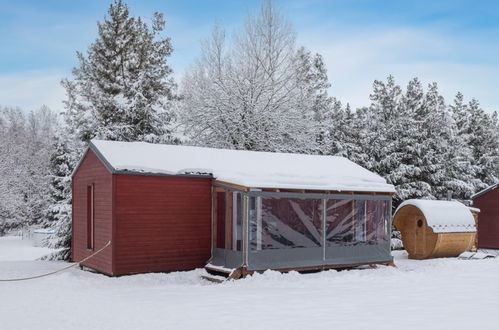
{"type": "Point", "coordinates": [487, 201]}
{"type": "Point", "coordinates": [155, 222]}
{"type": "Point", "coordinates": [170, 208]}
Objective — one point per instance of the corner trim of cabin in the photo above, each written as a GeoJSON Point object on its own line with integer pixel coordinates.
{"type": "Point", "coordinates": [113, 224]}
{"type": "Point", "coordinates": [72, 220]}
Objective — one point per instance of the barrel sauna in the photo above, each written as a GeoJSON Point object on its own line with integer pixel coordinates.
{"type": "Point", "coordinates": [435, 229]}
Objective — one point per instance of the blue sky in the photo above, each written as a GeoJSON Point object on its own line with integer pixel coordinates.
{"type": "Point", "coordinates": [452, 42]}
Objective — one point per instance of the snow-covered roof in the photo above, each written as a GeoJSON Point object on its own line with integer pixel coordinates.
{"type": "Point", "coordinates": [246, 168]}
{"type": "Point", "coordinates": [486, 190]}
{"type": "Point", "coordinates": [444, 216]}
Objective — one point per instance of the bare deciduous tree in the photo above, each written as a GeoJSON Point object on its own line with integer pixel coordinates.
{"type": "Point", "coordinates": [250, 94]}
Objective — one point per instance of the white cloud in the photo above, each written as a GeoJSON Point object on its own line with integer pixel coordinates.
{"type": "Point", "coordinates": [355, 59]}
{"type": "Point", "coordinates": [30, 90]}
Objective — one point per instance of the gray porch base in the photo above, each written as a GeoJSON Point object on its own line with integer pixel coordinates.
{"type": "Point", "coordinates": [226, 258]}
{"type": "Point", "coordinates": [304, 257]}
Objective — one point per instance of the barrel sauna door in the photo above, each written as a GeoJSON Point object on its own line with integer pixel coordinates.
{"type": "Point", "coordinates": [420, 236]}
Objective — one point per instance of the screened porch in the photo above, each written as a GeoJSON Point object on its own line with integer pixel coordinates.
{"type": "Point", "coordinates": [262, 230]}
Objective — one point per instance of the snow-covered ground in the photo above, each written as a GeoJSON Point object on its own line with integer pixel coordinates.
{"type": "Point", "coordinates": [431, 294]}
{"type": "Point", "coordinates": [14, 248]}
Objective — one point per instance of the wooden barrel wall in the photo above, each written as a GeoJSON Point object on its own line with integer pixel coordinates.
{"type": "Point", "coordinates": [421, 242]}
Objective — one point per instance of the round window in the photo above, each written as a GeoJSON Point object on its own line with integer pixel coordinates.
{"type": "Point", "coordinates": [420, 223]}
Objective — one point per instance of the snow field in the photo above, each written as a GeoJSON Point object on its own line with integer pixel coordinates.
{"type": "Point", "coordinates": [429, 294]}
{"type": "Point", "coordinates": [15, 248]}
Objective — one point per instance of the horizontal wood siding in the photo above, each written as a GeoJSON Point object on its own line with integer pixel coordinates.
{"type": "Point", "coordinates": [488, 219]}
{"type": "Point", "coordinates": [92, 171]}
{"type": "Point", "coordinates": [162, 223]}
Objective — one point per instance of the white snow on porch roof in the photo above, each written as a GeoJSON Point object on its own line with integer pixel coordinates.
{"type": "Point", "coordinates": [444, 216]}
{"type": "Point", "coordinates": [246, 168]}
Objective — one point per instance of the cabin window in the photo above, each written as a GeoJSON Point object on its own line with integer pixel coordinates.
{"type": "Point", "coordinates": [90, 217]}
{"type": "Point", "coordinates": [287, 223]}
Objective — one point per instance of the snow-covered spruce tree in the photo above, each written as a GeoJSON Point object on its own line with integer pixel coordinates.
{"type": "Point", "coordinates": [406, 146]}
{"type": "Point", "coordinates": [493, 158]}
{"type": "Point", "coordinates": [249, 94]}
{"type": "Point", "coordinates": [382, 136]}
{"type": "Point", "coordinates": [436, 129]}
{"type": "Point", "coordinates": [483, 138]}
{"type": "Point", "coordinates": [122, 88]}
{"type": "Point", "coordinates": [338, 140]}
{"type": "Point", "coordinates": [40, 132]}
{"type": "Point", "coordinates": [409, 139]}
{"type": "Point", "coordinates": [375, 127]}
{"type": "Point", "coordinates": [67, 152]}
{"type": "Point", "coordinates": [461, 170]}
{"type": "Point", "coordinates": [324, 110]}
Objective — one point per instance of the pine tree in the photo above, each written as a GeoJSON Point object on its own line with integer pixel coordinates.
{"type": "Point", "coordinates": [338, 124]}
{"type": "Point", "coordinates": [461, 170]}
{"type": "Point", "coordinates": [40, 132]}
{"type": "Point", "coordinates": [122, 88]}
{"type": "Point", "coordinates": [314, 85]}
{"type": "Point", "coordinates": [58, 215]}
{"type": "Point", "coordinates": [406, 150]}
{"type": "Point", "coordinates": [379, 120]}
{"type": "Point", "coordinates": [484, 140]}
{"type": "Point", "coordinates": [434, 140]}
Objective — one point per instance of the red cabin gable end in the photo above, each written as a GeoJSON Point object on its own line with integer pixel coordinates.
{"type": "Point", "coordinates": [154, 222]}
{"type": "Point", "coordinates": [488, 218]}
{"type": "Point", "coordinates": [92, 213]}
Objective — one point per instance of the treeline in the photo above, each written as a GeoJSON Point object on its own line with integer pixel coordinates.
{"type": "Point", "coordinates": [26, 147]}
{"type": "Point", "coordinates": [256, 91]}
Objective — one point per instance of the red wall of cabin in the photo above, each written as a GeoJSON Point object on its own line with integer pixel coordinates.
{"type": "Point", "coordinates": [92, 171]}
{"type": "Point", "coordinates": [162, 223]}
{"type": "Point", "coordinates": [488, 219]}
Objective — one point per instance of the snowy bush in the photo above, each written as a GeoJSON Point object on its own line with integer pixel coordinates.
{"type": "Point", "coordinates": [396, 244]}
